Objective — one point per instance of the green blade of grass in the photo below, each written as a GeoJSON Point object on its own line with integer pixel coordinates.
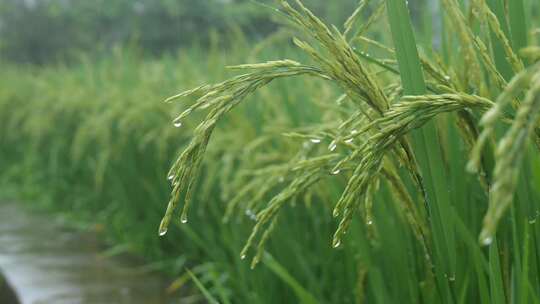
{"type": "Point", "coordinates": [303, 295]}
{"type": "Point", "coordinates": [430, 161]}
{"type": "Point", "coordinates": [404, 42]}
{"type": "Point", "coordinates": [206, 293]}
{"type": "Point", "coordinates": [495, 275]}
{"type": "Point", "coordinates": [518, 27]}
{"type": "Point", "coordinates": [523, 293]}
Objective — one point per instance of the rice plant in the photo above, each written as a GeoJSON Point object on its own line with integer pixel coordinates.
{"type": "Point", "coordinates": [389, 132]}
{"type": "Point", "coordinates": [363, 164]}
{"type": "Point", "coordinates": [90, 142]}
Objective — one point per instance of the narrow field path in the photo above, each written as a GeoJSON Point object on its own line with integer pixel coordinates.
{"type": "Point", "coordinates": [46, 263]}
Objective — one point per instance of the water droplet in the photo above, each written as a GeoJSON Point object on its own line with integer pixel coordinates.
{"type": "Point", "coordinates": [447, 78]}
{"type": "Point", "coordinates": [170, 177]}
{"type": "Point", "coordinates": [315, 140]}
{"type": "Point", "coordinates": [369, 222]}
{"type": "Point", "coordinates": [354, 131]}
{"type": "Point", "coordinates": [335, 172]}
{"type": "Point", "coordinates": [177, 124]}
{"type": "Point", "coordinates": [332, 145]}
{"type": "Point", "coordinates": [336, 243]}
{"type": "Point", "coordinates": [251, 214]}
{"type": "Point", "coordinates": [349, 140]}
{"type": "Point", "coordinates": [243, 256]}
{"type": "Point", "coordinates": [487, 240]}
{"type": "Point", "coordinates": [452, 278]}
{"type": "Point", "coordinates": [162, 231]}
{"type": "Point", "coordinates": [183, 218]}
{"type": "Point", "coordinates": [532, 221]}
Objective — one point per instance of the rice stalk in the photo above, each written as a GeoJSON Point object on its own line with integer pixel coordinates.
{"type": "Point", "coordinates": [510, 150]}
{"type": "Point", "coordinates": [376, 132]}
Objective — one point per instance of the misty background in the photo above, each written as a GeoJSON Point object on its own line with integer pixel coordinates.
{"type": "Point", "coordinates": [41, 31]}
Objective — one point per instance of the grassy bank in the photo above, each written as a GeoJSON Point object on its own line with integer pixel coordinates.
{"type": "Point", "coordinates": [95, 141]}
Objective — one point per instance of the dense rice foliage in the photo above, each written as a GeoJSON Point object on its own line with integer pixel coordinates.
{"type": "Point", "coordinates": [293, 166]}
{"type": "Point", "coordinates": [95, 142]}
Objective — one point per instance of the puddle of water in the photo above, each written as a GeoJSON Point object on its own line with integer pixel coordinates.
{"type": "Point", "coordinates": [44, 263]}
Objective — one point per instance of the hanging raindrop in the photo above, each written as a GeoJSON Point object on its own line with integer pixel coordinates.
{"type": "Point", "coordinates": [487, 240]}
{"type": "Point", "coordinates": [251, 215]}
